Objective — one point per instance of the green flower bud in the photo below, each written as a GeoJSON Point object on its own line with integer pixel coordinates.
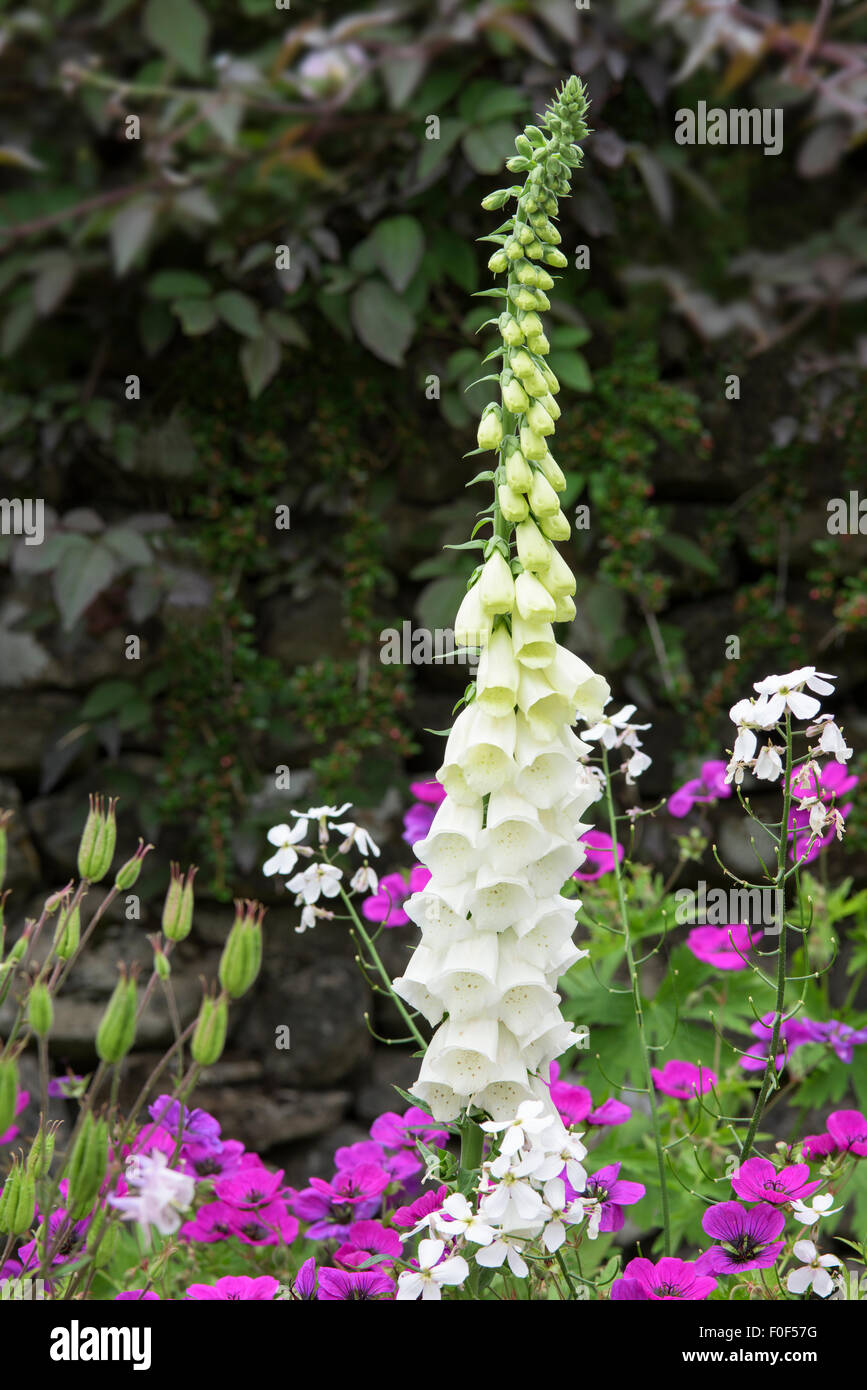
{"type": "Point", "coordinates": [512, 504]}
{"type": "Point", "coordinates": [510, 330]}
{"type": "Point", "coordinates": [556, 259]}
{"type": "Point", "coordinates": [18, 1203]}
{"type": "Point", "coordinates": [543, 280]}
{"type": "Point", "coordinates": [496, 200]}
{"type": "Point", "coordinates": [551, 406]}
{"type": "Point", "coordinates": [523, 146]}
{"type": "Point", "coordinates": [496, 585]}
{"type": "Point", "coordinates": [555, 527]}
{"type": "Point", "coordinates": [490, 431]}
{"type": "Point", "coordinates": [531, 325]}
{"type": "Point", "coordinates": [519, 474]}
{"type": "Point", "coordinates": [540, 421]}
{"type": "Point", "coordinates": [532, 444]}
{"type": "Point", "coordinates": [162, 964]}
{"type": "Point", "coordinates": [68, 933]}
{"type": "Point", "coordinates": [40, 1010]}
{"type": "Point", "coordinates": [87, 1166]}
{"type": "Point", "coordinates": [513, 249]}
{"type": "Point", "coordinates": [498, 262]}
{"type": "Point", "coordinates": [525, 273]}
{"type": "Point", "coordinates": [542, 497]}
{"type": "Point", "coordinates": [535, 251]}
{"type": "Point", "coordinates": [209, 1037]}
{"type": "Point", "coordinates": [553, 472]}
{"type": "Point", "coordinates": [533, 549]}
{"type": "Point", "coordinates": [539, 345]}
{"type": "Point", "coordinates": [522, 297]}
{"type": "Point", "coordinates": [242, 953]}
{"type": "Point", "coordinates": [128, 874]}
{"type": "Point", "coordinates": [96, 849]}
{"type": "Point", "coordinates": [535, 136]}
{"type": "Point", "coordinates": [541, 300]}
{"type": "Point", "coordinates": [558, 577]}
{"type": "Point", "coordinates": [116, 1031]}
{"type": "Point", "coordinates": [178, 907]}
{"type": "Point", "coordinates": [8, 1092]}
{"type": "Point", "coordinates": [549, 234]}
{"type": "Point", "coordinates": [517, 164]}
{"type": "Point", "coordinates": [524, 234]}
{"type": "Point", "coordinates": [515, 397]}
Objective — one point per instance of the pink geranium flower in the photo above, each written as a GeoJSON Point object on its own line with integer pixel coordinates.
{"type": "Point", "coordinates": [759, 1181]}
{"type": "Point", "coordinates": [599, 855]}
{"type": "Point", "coordinates": [386, 905]}
{"type": "Point", "coordinates": [725, 948]}
{"type": "Point", "coordinates": [683, 1080]}
{"type": "Point", "coordinates": [236, 1287]}
{"type": "Point", "coordinates": [669, 1279]}
{"type": "Point", "coordinates": [709, 786]}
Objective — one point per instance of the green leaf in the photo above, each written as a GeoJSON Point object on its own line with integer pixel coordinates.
{"type": "Point", "coordinates": [286, 328]}
{"type": "Point", "coordinates": [260, 361]}
{"type": "Point", "coordinates": [129, 546]}
{"type": "Point", "coordinates": [130, 229]}
{"type": "Point", "coordinates": [197, 316]}
{"type": "Point", "coordinates": [179, 28]}
{"type": "Point", "coordinates": [571, 369]}
{"type": "Point", "coordinates": [397, 244]}
{"type": "Point", "coordinates": [16, 326]}
{"type": "Point", "coordinates": [685, 550]}
{"type": "Point", "coordinates": [435, 152]}
{"type": "Point", "coordinates": [177, 284]}
{"type": "Point", "coordinates": [239, 312]}
{"type": "Point", "coordinates": [382, 321]}
{"type": "Point", "coordinates": [85, 570]}
{"type": "Point", "coordinates": [488, 147]}
{"type": "Point", "coordinates": [107, 698]}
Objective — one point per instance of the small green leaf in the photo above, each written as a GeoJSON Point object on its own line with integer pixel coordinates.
{"type": "Point", "coordinates": [177, 284]}
{"type": "Point", "coordinates": [260, 361]}
{"type": "Point", "coordinates": [197, 316]}
{"type": "Point", "coordinates": [397, 245]}
{"type": "Point", "coordinates": [178, 28]}
{"type": "Point", "coordinates": [382, 321]}
{"type": "Point", "coordinates": [239, 312]}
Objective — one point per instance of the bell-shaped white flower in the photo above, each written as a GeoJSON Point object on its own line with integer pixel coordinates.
{"type": "Point", "coordinates": [472, 623]}
{"type": "Point", "coordinates": [549, 873]}
{"type": "Point", "coordinates": [496, 585]}
{"type": "Point", "coordinates": [467, 984]}
{"type": "Point", "coordinates": [479, 753]}
{"type": "Point", "coordinates": [450, 848]}
{"type": "Point", "coordinates": [533, 642]}
{"type": "Point", "coordinates": [499, 900]}
{"type": "Point", "coordinates": [498, 675]}
{"type": "Point", "coordinates": [414, 985]}
{"type": "Point", "coordinates": [514, 834]}
{"type": "Point", "coordinates": [532, 599]}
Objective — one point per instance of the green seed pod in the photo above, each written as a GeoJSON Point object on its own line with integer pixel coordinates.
{"type": "Point", "coordinates": [116, 1031]}
{"type": "Point", "coordinates": [18, 1204]}
{"type": "Point", "coordinates": [128, 874]}
{"type": "Point", "coordinates": [162, 964]}
{"type": "Point", "coordinates": [40, 1010]}
{"type": "Point", "coordinates": [8, 1093]}
{"type": "Point", "coordinates": [87, 1167]}
{"type": "Point", "coordinates": [68, 933]}
{"type": "Point", "coordinates": [96, 849]}
{"type": "Point", "coordinates": [242, 953]}
{"type": "Point", "coordinates": [209, 1037]}
{"type": "Point", "coordinates": [41, 1151]}
{"type": "Point", "coordinates": [178, 907]}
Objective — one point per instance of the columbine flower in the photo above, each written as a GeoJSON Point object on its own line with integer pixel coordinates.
{"type": "Point", "coordinates": [433, 1272]}
{"type": "Point", "coordinates": [758, 1180]}
{"type": "Point", "coordinates": [683, 1080]}
{"type": "Point", "coordinates": [787, 692]}
{"type": "Point", "coordinates": [749, 1238]}
{"type": "Point", "coordinates": [319, 878]}
{"type": "Point", "coordinates": [163, 1194]}
{"type": "Point", "coordinates": [813, 1272]}
{"type": "Point", "coordinates": [725, 948]}
{"type": "Point", "coordinates": [235, 1288]}
{"type": "Point", "coordinates": [284, 837]}
{"type": "Point", "coordinates": [355, 835]}
{"type": "Point", "coordinates": [669, 1279]}
{"type": "Point", "coordinates": [810, 1213]}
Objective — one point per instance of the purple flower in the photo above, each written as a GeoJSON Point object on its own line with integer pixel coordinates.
{"type": "Point", "coordinates": [841, 1036]}
{"type": "Point", "coordinates": [759, 1181]}
{"type": "Point", "coordinates": [368, 1238]}
{"type": "Point", "coordinates": [725, 948]}
{"type": "Point", "coordinates": [339, 1285]}
{"type": "Point", "coordinates": [599, 852]}
{"type": "Point", "coordinates": [409, 1216]}
{"type": "Point", "coordinates": [268, 1225]}
{"type": "Point", "coordinates": [708, 787]}
{"type": "Point", "coordinates": [683, 1080]}
{"type": "Point", "coordinates": [195, 1126]}
{"type": "Point", "coordinates": [236, 1287]}
{"type": "Point", "coordinates": [386, 905]}
{"type": "Point", "coordinates": [20, 1105]}
{"type": "Point", "coordinates": [136, 1295]}
{"type": "Point", "coordinates": [669, 1279]}
{"type": "Point", "coordinates": [250, 1189]}
{"type": "Point", "coordinates": [212, 1222]}
{"type": "Point", "coordinates": [203, 1162]}
{"type": "Point", "coordinates": [305, 1281]}
{"type": "Point", "coordinates": [60, 1088]}
{"type": "Point", "coordinates": [848, 1129]}
{"type": "Point", "coordinates": [575, 1103]}
{"type": "Point", "coordinates": [332, 1207]}
{"type": "Point", "coordinates": [401, 1165]}
{"type": "Point", "coordinates": [606, 1187]}
{"type": "Point", "coordinates": [65, 1236]}
{"type": "Point", "coordinates": [748, 1238]}
{"type": "Point", "coordinates": [794, 1032]}
{"type": "Point", "coordinates": [403, 1131]}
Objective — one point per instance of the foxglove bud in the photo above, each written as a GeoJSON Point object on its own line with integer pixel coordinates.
{"type": "Point", "coordinates": [498, 262]}
{"type": "Point", "coordinates": [542, 497]}
{"type": "Point", "coordinates": [512, 504]}
{"type": "Point", "coordinates": [116, 1031]}
{"type": "Point", "coordinates": [242, 953]}
{"type": "Point", "coordinates": [96, 849]}
{"type": "Point", "coordinates": [533, 601]}
{"type": "Point", "coordinates": [519, 474]}
{"type": "Point", "coordinates": [555, 527]}
{"type": "Point", "coordinates": [490, 431]}
{"type": "Point", "coordinates": [553, 472]}
{"type": "Point", "coordinates": [178, 907]}
{"type": "Point", "coordinates": [539, 344]}
{"type": "Point", "coordinates": [515, 397]}
{"type": "Point", "coordinates": [496, 200]}
{"type": "Point", "coordinates": [541, 423]}
{"type": "Point", "coordinates": [40, 1010]}
{"type": "Point", "coordinates": [209, 1037]}
{"type": "Point", "coordinates": [510, 330]}
{"type": "Point", "coordinates": [496, 585]}
{"type": "Point", "coordinates": [555, 258]}
{"type": "Point", "coordinates": [472, 623]}
{"type": "Point", "coordinates": [533, 444]}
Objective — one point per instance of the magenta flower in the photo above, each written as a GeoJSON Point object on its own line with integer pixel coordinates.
{"type": "Point", "coordinates": [137, 1296]}
{"type": "Point", "coordinates": [202, 1162]}
{"type": "Point", "coordinates": [195, 1126]}
{"type": "Point", "coordinates": [841, 1036]}
{"type": "Point", "coordinates": [759, 1181]}
{"type": "Point", "coordinates": [848, 1129]}
{"type": "Point", "coordinates": [305, 1285]}
{"type": "Point", "coordinates": [403, 1131]}
{"type": "Point", "coordinates": [20, 1105]}
{"type": "Point", "coordinates": [251, 1189]}
{"type": "Point", "coordinates": [409, 1216]}
{"type": "Point", "coordinates": [748, 1238]}
{"type": "Point", "coordinates": [575, 1103]}
{"type": "Point", "coordinates": [68, 1235]}
{"type": "Point", "coordinates": [386, 905]}
{"type": "Point", "coordinates": [212, 1222]}
{"type": "Point", "coordinates": [368, 1238]}
{"type": "Point", "coordinates": [669, 1279]}
{"type": "Point", "coordinates": [340, 1285]}
{"type": "Point", "coordinates": [599, 852]}
{"type": "Point", "coordinates": [794, 1032]}
{"type": "Point", "coordinates": [833, 783]}
{"type": "Point", "coordinates": [419, 818]}
{"type": "Point", "coordinates": [333, 1207]}
{"type": "Point", "coordinates": [818, 1145]}
{"type": "Point", "coordinates": [236, 1287]}
{"type": "Point", "coordinates": [709, 786]}
{"type": "Point", "coordinates": [403, 1164]}
{"type": "Point", "coordinates": [725, 948]}
{"type": "Point", "coordinates": [683, 1080]}
{"type": "Point", "coordinates": [268, 1225]}
{"type": "Point", "coordinates": [606, 1187]}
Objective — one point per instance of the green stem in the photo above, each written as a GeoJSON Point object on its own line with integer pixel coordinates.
{"type": "Point", "coordinates": [639, 1010]}
{"type": "Point", "coordinates": [381, 970]}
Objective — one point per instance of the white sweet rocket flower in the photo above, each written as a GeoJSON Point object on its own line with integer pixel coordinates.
{"type": "Point", "coordinates": [163, 1194]}
{"type": "Point", "coordinates": [768, 765]}
{"type": "Point", "coordinates": [638, 763]}
{"type": "Point", "coordinates": [308, 919]}
{"type": "Point", "coordinates": [364, 880]}
{"type": "Point", "coordinates": [504, 1248]}
{"type": "Point", "coordinates": [529, 1120]}
{"type": "Point", "coordinates": [433, 1272]}
{"type": "Point", "coordinates": [513, 1203]}
{"type": "Point", "coordinates": [810, 1213]}
{"type": "Point", "coordinates": [285, 837]}
{"type": "Point", "coordinates": [560, 1214]}
{"type": "Point", "coordinates": [462, 1221]}
{"type": "Point", "coordinates": [322, 814]}
{"type": "Point", "coordinates": [832, 740]}
{"type": "Point", "coordinates": [780, 693]}
{"type": "Point", "coordinates": [355, 835]}
{"type": "Point", "coordinates": [319, 879]}
{"type": "Point", "coordinates": [813, 1272]}
{"type": "Point", "coordinates": [610, 728]}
